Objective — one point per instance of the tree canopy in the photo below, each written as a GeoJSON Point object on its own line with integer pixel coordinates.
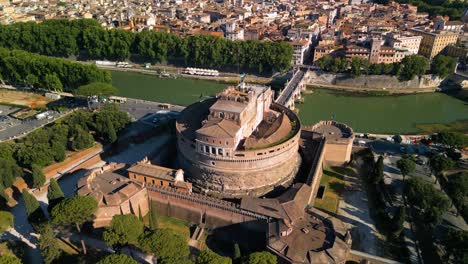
{"type": "Point", "coordinates": [439, 163]}
{"type": "Point", "coordinates": [455, 242]}
{"type": "Point", "coordinates": [30, 203]}
{"type": "Point", "coordinates": [451, 139]}
{"type": "Point", "coordinates": [123, 230]}
{"type": "Point", "coordinates": [38, 176]}
{"type": "Point", "coordinates": [9, 171]}
{"type": "Point", "coordinates": [96, 88]}
{"type": "Point", "coordinates": [443, 66]}
{"type": "Point", "coordinates": [165, 244]}
{"type": "Point", "coordinates": [209, 257]}
{"type": "Point", "coordinates": [430, 202]}
{"type": "Point", "coordinates": [378, 173]}
{"type": "Point", "coordinates": [87, 39]}
{"type": "Point", "coordinates": [74, 210]}
{"type": "Point", "coordinates": [55, 74]}
{"type": "Point", "coordinates": [261, 258]}
{"type": "Point", "coordinates": [414, 65]}
{"type": "Point", "coordinates": [6, 221]}
{"type": "Point", "coordinates": [7, 259]}
{"type": "Point", "coordinates": [48, 245]}
{"type": "Point", "coordinates": [457, 189]}
{"type": "Point", "coordinates": [54, 194]}
{"type": "Point", "coordinates": [117, 259]}
{"type": "Point", "coordinates": [454, 9]}
{"type": "Point", "coordinates": [406, 166]}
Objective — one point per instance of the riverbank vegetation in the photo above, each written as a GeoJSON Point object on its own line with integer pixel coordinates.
{"type": "Point", "coordinates": [457, 126]}
{"type": "Point", "coordinates": [410, 67]}
{"type": "Point", "coordinates": [55, 74]}
{"type": "Point", "coordinates": [86, 39]}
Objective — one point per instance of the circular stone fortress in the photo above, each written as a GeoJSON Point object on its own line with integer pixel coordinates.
{"type": "Point", "coordinates": [239, 143]}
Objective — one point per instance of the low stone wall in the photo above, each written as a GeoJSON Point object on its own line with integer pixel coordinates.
{"type": "Point", "coordinates": [372, 81]}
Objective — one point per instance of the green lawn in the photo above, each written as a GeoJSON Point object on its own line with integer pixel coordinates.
{"type": "Point", "coordinates": [180, 226]}
{"type": "Point", "coordinates": [334, 184]}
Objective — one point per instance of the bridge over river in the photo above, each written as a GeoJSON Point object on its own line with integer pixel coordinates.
{"type": "Point", "coordinates": [293, 88]}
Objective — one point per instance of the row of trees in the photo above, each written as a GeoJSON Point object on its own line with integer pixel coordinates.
{"type": "Point", "coordinates": [33, 70]}
{"type": "Point", "coordinates": [87, 39]}
{"type": "Point", "coordinates": [410, 66]}
{"type": "Point", "coordinates": [375, 178]}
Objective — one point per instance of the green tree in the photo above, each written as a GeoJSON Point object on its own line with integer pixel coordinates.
{"type": "Point", "coordinates": [398, 220]}
{"type": "Point", "coordinates": [443, 66]}
{"type": "Point", "coordinates": [431, 204]}
{"type": "Point", "coordinates": [356, 67]}
{"type": "Point", "coordinates": [6, 221]}
{"type": "Point", "coordinates": [457, 189]}
{"type": "Point", "coordinates": [209, 257]}
{"type": "Point", "coordinates": [153, 217]}
{"type": "Point", "coordinates": [38, 176]}
{"type": "Point", "coordinates": [53, 83]}
{"type": "Point", "coordinates": [237, 253]}
{"type": "Point", "coordinates": [165, 244]}
{"type": "Point", "coordinates": [9, 171]}
{"type": "Point", "coordinates": [30, 202]}
{"type": "Point", "coordinates": [7, 259]}
{"type": "Point", "coordinates": [451, 139]}
{"type": "Point", "coordinates": [75, 210]}
{"type": "Point", "coordinates": [261, 258]}
{"type": "Point", "coordinates": [54, 194]}
{"type": "Point", "coordinates": [406, 166]}
{"type": "Point", "coordinates": [80, 138]}
{"type": "Point", "coordinates": [48, 244]}
{"type": "Point", "coordinates": [117, 259]}
{"type": "Point", "coordinates": [123, 230]}
{"type": "Point", "coordinates": [378, 173]}
{"type": "Point", "coordinates": [413, 65]}
{"type": "Point", "coordinates": [439, 163]}
{"type": "Point", "coordinates": [31, 80]}
{"type": "Point", "coordinates": [97, 89]}
{"type": "Point", "coordinates": [33, 209]}
{"type": "Point", "coordinates": [375, 69]}
{"type": "Point", "coordinates": [455, 242]}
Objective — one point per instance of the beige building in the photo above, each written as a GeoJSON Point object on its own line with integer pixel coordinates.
{"type": "Point", "coordinates": [147, 173]}
{"type": "Point", "coordinates": [322, 50]}
{"type": "Point", "coordinates": [434, 42]}
{"type": "Point", "coordinates": [114, 193]}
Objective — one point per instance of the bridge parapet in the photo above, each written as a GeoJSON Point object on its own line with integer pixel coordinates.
{"type": "Point", "coordinates": [293, 88]}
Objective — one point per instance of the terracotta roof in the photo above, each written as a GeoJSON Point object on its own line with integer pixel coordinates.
{"type": "Point", "coordinates": [154, 171]}
{"type": "Point", "coordinates": [219, 129]}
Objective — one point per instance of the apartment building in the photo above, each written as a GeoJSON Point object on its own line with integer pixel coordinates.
{"type": "Point", "coordinates": [434, 42]}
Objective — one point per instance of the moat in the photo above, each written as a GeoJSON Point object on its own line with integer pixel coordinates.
{"type": "Point", "coordinates": [374, 114]}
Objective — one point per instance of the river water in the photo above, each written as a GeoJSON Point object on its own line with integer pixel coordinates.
{"type": "Point", "coordinates": [372, 114]}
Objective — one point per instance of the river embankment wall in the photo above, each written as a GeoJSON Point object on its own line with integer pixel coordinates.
{"type": "Point", "coordinates": [380, 82]}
